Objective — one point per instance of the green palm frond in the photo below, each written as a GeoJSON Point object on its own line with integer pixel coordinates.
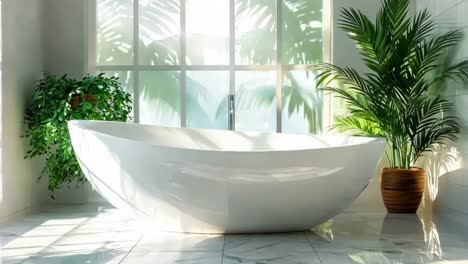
{"type": "Point", "coordinates": [400, 98]}
{"type": "Point", "coordinates": [357, 126]}
{"type": "Point", "coordinates": [259, 96]}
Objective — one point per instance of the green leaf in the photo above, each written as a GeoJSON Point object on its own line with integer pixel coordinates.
{"type": "Point", "coordinates": [47, 116]}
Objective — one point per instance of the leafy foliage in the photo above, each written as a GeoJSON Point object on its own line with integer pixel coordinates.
{"type": "Point", "coordinates": [400, 97]}
{"type": "Point", "coordinates": [47, 116]}
{"type": "Point", "coordinates": [301, 44]}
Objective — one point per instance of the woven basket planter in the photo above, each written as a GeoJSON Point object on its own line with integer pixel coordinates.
{"type": "Point", "coordinates": [402, 189]}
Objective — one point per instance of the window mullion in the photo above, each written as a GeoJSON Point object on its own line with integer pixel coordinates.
{"type": "Point", "coordinates": [91, 40]}
{"type": "Point", "coordinates": [279, 61]}
{"type": "Point", "coordinates": [327, 18]}
{"type": "Point", "coordinates": [136, 61]}
{"type": "Point", "coordinates": [183, 64]}
{"type": "Point", "coordinates": [232, 53]}
{"type": "Point", "coordinates": [200, 67]}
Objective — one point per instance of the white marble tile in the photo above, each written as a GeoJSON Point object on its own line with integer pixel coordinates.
{"type": "Point", "coordinates": [98, 237]}
{"type": "Point", "coordinates": [100, 257]}
{"type": "Point", "coordinates": [357, 245]}
{"type": "Point", "coordinates": [111, 216]}
{"type": "Point", "coordinates": [272, 248]}
{"type": "Point", "coordinates": [368, 229]}
{"type": "Point", "coordinates": [83, 213]}
{"type": "Point", "coordinates": [455, 254]}
{"type": "Point", "coordinates": [7, 238]}
{"type": "Point", "coordinates": [24, 242]}
{"type": "Point", "coordinates": [173, 258]}
{"type": "Point", "coordinates": [47, 218]}
{"type": "Point", "coordinates": [17, 255]}
{"type": "Point", "coordinates": [23, 246]}
{"type": "Point", "coordinates": [390, 234]}
{"type": "Point", "coordinates": [358, 214]}
{"type": "Point", "coordinates": [164, 241]}
{"type": "Point", "coordinates": [267, 242]}
{"type": "Point", "coordinates": [452, 223]}
{"type": "Point", "coordinates": [63, 230]}
{"type": "Point", "coordinates": [356, 236]}
{"type": "Point", "coordinates": [40, 226]}
{"type": "Point", "coordinates": [374, 258]}
{"type": "Point", "coordinates": [298, 258]}
{"type": "Point", "coordinates": [403, 236]}
{"type": "Point", "coordinates": [99, 227]}
{"type": "Point", "coordinates": [67, 208]}
{"type": "Point", "coordinates": [41, 230]}
{"type": "Point", "coordinates": [87, 247]}
{"type": "Point", "coordinates": [431, 250]}
{"type": "Point", "coordinates": [345, 229]}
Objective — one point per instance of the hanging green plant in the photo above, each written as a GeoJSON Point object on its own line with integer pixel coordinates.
{"type": "Point", "coordinates": [57, 100]}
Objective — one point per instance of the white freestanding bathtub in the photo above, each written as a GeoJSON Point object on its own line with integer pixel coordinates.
{"type": "Point", "coordinates": [208, 181]}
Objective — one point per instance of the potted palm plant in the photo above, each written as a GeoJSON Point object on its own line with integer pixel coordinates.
{"type": "Point", "coordinates": [400, 97]}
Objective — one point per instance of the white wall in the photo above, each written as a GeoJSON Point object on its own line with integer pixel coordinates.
{"type": "Point", "coordinates": [65, 34]}
{"type": "Point", "coordinates": [344, 49]}
{"type": "Point", "coordinates": [22, 65]}
{"type": "Point", "coordinates": [65, 37]}
{"type": "Point", "coordinates": [453, 186]}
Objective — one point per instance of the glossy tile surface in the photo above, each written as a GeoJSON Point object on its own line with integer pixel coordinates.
{"type": "Point", "coordinates": [97, 234]}
{"type": "Point", "coordinates": [269, 248]}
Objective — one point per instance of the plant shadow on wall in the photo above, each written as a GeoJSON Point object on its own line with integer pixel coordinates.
{"type": "Point", "coordinates": [256, 32]}
{"type": "Point", "coordinates": [401, 97]}
{"type": "Point", "coordinates": [57, 100]}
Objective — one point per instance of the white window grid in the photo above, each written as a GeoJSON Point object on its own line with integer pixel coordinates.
{"type": "Point", "coordinates": [92, 67]}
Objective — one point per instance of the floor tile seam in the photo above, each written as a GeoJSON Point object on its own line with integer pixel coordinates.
{"type": "Point", "coordinates": [313, 248]}
{"type": "Point", "coordinates": [131, 249]}
{"type": "Point", "coordinates": [187, 251]}
{"type": "Point", "coordinates": [79, 252]}
{"type": "Point", "coordinates": [224, 248]}
{"type": "Point", "coordinates": [50, 244]}
{"type": "Point", "coordinates": [344, 251]}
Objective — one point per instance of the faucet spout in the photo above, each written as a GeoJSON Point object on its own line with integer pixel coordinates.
{"type": "Point", "coordinates": [231, 112]}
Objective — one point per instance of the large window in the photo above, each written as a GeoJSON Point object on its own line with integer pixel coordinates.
{"type": "Point", "coordinates": [181, 58]}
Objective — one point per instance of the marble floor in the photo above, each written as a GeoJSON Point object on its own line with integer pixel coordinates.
{"type": "Point", "coordinates": [91, 233]}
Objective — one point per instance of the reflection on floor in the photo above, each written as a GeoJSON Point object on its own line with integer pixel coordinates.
{"type": "Point", "coordinates": [99, 234]}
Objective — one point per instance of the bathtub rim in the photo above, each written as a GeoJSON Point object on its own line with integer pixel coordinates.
{"type": "Point", "coordinates": [78, 123]}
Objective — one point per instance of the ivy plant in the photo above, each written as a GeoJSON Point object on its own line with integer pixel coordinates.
{"type": "Point", "coordinates": [47, 116]}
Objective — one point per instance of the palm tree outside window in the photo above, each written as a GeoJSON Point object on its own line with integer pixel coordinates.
{"type": "Point", "coordinates": [181, 58]}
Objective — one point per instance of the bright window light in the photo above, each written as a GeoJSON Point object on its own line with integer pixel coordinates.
{"type": "Point", "coordinates": [182, 58]}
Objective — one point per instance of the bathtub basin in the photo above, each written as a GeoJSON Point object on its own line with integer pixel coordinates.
{"type": "Point", "coordinates": [208, 181]}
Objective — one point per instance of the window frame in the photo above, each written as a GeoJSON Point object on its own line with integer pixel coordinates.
{"type": "Point", "coordinates": [92, 67]}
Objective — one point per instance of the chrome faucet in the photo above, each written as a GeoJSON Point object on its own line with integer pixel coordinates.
{"type": "Point", "coordinates": [231, 112]}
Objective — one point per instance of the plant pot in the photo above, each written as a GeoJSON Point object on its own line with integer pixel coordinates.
{"type": "Point", "coordinates": [402, 189]}
{"type": "Point", "coordinates": [77, 99]}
